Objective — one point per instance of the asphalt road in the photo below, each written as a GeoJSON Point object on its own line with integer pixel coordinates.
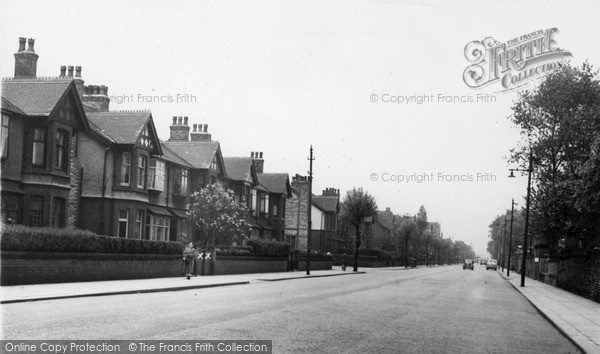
{"type": "Point", "coordinates": [425, 310]}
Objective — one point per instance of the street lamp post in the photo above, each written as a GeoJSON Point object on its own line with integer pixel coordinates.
{"type": "Point", "coordinates": [525, 234]}
{"type": "Point", "coordinates": [512, 209]}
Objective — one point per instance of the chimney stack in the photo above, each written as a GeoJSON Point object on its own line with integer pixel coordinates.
{"type": "Point", "coordinates": [201, 134]}
{"type": "Point", "coordinates": [331, 192]}
{"type": "Point", "coordinates": [93, 96]}
{"type": "Point", "coordinates": [26, 60]}
{"type": "Point", "coordinates": [180, 131]}
{"type": "Point", "coordinates": [258, 161]}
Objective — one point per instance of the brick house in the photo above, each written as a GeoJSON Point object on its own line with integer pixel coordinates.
{"type": "Point", "coordinates": [265, 194]}
{"type": "Point", "coordinates": [41, 119]}
{"type": "Point", "coordinates": [325, 214]}
{"type": "Point", "coordinates": [203, 161]}
{"type": "Point", "coordinates": [278, 190]}
{"type": "Point", "coordinates": [244, 183]}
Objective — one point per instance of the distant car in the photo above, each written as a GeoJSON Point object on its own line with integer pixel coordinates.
{"type": "Point", "coordinates": [491, 264]}
{"type": "Point", "coordinates": [468, 264]}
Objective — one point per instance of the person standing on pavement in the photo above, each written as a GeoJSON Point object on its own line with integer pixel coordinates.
{"type": "Point", "coordinates": [189, 253]}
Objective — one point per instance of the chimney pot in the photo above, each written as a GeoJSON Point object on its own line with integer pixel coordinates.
{"type": "Point", "coordinates": [174, 120]}
{"type": "Point", "coordinates": [78, 71]}
{"type": "Point", "coordinates": [185, 120]}
{"type": "Point", "coordinates": [252, 154]}
{"type": "Point", "coordinates": [179, 120]}
{"type": "Point", "coordinates": [206, 128]}
{"type": "Point", "coordinates": [63, 71]}
{"type": "Point", "coordinates": [22, 41]}
{"type": "Point", "coordinates": [195, 127]}
{"type": "Point", "coordinates": [70, 74]}
{"type": "Point", "coordinates": [30, 43]}
{"type": "Point", "coordinates": [261, 155]}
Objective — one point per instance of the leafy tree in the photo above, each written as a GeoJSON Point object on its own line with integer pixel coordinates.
{"type": "Point", "coordinates": [358, 205]}
{"type": "Point", "coordinates": [214, 211]}
{"type": "Point", "coordinates": [560, 123]}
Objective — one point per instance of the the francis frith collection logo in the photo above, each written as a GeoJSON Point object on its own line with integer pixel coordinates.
{"type": "Point", "coordinates": [513, 63]}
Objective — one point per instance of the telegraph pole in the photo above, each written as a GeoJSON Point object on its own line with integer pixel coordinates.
{"type": "Point", "coordinates": [309, 233]}
{"type": "Point", "coordinates": [503, 244]}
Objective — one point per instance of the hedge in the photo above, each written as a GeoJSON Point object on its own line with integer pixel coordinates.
{"type": "Point", "coordinates": [18, 238]}
{"type": "Point", "coordinates": [226, 250]}
{"type": "Point", "coordinates": [265, 248]}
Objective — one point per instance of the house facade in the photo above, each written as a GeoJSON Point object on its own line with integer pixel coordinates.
{"type": "Point", "coordinates": [41, 120]}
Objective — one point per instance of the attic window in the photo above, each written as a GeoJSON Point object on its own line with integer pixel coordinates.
{"type": "Point", "coordinates": [213, 164]}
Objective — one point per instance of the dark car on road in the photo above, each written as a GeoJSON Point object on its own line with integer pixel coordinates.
{"type": "Point", "coordinates": [468, 264]}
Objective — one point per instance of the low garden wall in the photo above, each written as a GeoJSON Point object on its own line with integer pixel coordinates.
{"type": "Point", "coordinates": [19, 268]}
{"type": "Point", "coordinates": [39, 267]}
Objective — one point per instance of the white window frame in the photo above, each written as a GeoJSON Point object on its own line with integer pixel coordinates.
{"type": "Point", "coordinates": [126, 167]}
{"type": "Point", "coordinates": [156, 175]}
{"type": "Point", "coordinates": [141, 171]}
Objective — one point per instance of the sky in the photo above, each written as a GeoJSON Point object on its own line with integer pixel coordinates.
{"type": "Point", "coordinates": [279, 76]}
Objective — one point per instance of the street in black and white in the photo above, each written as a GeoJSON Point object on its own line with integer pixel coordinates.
{"type": "Point", "coordinates": [395, 310]}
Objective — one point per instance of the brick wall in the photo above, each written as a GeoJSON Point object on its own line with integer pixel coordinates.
{"type": "Point", "coordinates": [580, 274]}
{"type": "Point", "coordinates": [39, 268]}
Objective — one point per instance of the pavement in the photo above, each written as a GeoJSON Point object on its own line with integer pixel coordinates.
{"type": "Point", "coordinates": [37, 292]}
{"type": "Point", "coordinates": [576, 317]}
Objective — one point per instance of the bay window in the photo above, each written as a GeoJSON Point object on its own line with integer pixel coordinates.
{"type": "Point", "coordinates": [125, 169]}
{"type": "Point", "coordinates": [39, 147]}
{"type": "Point", "coordinates": [156, 175]}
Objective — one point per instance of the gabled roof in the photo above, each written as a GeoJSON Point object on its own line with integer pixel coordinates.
{"type": "Point", "coordinates": [35, 97]}
{"type": "Point", "coordinates": [171, 156]}
{"type": "Point", "coordinates": [240, 168]}
{"type": "Point", "coordinates": [124, 127]}
{"type": "Point", "coordinates": [327, 203]}
{"type": "Point", "coordinates": [8, 106]}
{"type": "Point", "coordinates": [199, 154]}
{"type": "Point", "coordinates": [276, 183]}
